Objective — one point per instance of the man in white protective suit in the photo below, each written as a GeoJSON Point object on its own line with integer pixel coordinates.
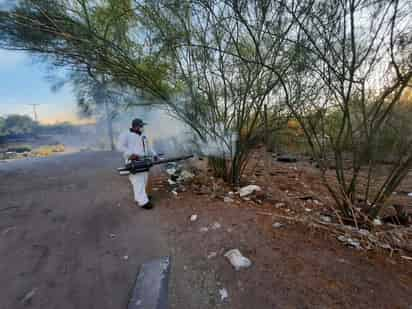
{"type": "Point", "coordinates": [135, 145]}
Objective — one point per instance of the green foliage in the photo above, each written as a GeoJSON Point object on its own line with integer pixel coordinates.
{"type": "Point", "coordinates": [16, 125]}
{"type": "Point", "coordinates": [23, 125]}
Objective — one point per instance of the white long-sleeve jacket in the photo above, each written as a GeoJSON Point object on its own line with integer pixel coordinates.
{"type": "Point", "coordinates": [131, 143]}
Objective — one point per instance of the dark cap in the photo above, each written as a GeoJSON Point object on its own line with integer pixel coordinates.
{"type": "Point", "coordinates": [138, 123]}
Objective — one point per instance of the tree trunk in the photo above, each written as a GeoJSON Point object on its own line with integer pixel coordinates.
{"type": "Point", "coordinates": [109, 125]}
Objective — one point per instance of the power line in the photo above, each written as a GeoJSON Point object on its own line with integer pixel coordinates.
{"type": "Point", "coordinates": [34, 111]}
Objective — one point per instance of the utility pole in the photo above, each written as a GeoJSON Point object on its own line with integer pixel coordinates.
{"type": "Point", "coordinates": [34, 111]}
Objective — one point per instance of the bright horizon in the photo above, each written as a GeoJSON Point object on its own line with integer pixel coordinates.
{"type": "Point", "coordinates": [23, 82]}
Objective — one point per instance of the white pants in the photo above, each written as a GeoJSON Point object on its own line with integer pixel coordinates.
{"type": "Point", "coordinates": [139, 182]}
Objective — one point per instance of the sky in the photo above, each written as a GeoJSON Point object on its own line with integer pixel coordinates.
{"type": "Point", "coordinates": [23, 82]}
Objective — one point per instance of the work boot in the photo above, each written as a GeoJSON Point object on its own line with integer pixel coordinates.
{"type": "Point", "coordinates": [148, 205]}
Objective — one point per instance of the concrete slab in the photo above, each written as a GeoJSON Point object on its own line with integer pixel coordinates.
{"type": "Point", "coordinates": [151, 287]}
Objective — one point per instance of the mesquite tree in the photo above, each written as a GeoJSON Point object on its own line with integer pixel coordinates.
{"type": "Point", "coordinates": [347, 65]}
{"type": "Point", "coordinates": [360, 55]}
{"type": "Point", "coordinates": [221, 95]}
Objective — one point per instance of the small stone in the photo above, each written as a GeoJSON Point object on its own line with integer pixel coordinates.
{"type": "Point", "coordinates": [216, 225]}
{"type": "Point", "coordinates": [193, 218]}
{"type": "Point", "coordinates": [126, 257]}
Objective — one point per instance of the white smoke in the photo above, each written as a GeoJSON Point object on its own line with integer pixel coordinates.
{"type": "Point", "coordinates": [171, 136]}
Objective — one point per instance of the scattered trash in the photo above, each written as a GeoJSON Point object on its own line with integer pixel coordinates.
{"type": "Point", "coordinates": [364, 232]}
{"type": "Point", "coordinates": [185, 175]}
{"type": "Point", "coordinates": [193, 218]}
{"type": "Point", "coordinates": [406, 257]}
{"type": "Point", "coordinates": [377, 222]}
{"type": "Point", "coordinates": [174, 192]}
{"type": "Point", "coordinates": [112, 235]}
{"type": "Point", "coordinates": [171, 171]}
{"type": "Point", "coordinates": [319, 203]}
{"type": "Point", "coordinates": [223, 294]}
{"type": "Point", "coordinates": [28, 297]}
{"type": "Point", "coordinates": [126, 257]}
{"type": "Point", "coordinates": [204, 229]}
{"type": "Point", "coordinates": [277, 225]}
{"type": "Point", "coordinates": [227, 199]}
{"type": "Point", "coordinates": [212, 255]}
{"type": "Point", "coordinates": [230, 193]}
{"type": "Point", "coordinates": [308, 209]}
{"type": "Point", "coordinates": [410, 194]}
{"type": "Point", "coordinates": [171, 182]}
{"type": "Point", "coordinates": [326, 219]}
{"type": "Point", "coordinates": [216, 226]}
{"type": "Point", "coordinates": [280, 205]}
{"type": "Point", "coordinates": [349, 241]}
{"type": "Point", "coordinates": [237, 259]}
{"type": "Point", "coordinates": [245, 191]}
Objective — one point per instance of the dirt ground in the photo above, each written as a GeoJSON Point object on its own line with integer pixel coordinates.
{"type": "Point", "coordinates": [71, 238]}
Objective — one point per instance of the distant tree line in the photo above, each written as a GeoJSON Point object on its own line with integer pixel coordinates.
{"type": "Point", "coordinates": [19, 126]}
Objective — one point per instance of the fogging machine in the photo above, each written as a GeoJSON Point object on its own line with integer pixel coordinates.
{"type": "Point", "coordinates": [146, 163]}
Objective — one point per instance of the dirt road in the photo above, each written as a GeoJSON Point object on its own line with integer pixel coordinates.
{"type": "Point", "coordinates": [69, 236]}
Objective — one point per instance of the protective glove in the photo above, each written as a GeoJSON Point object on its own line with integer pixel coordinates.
{"type": "Point", "coordinates": [134, 157]}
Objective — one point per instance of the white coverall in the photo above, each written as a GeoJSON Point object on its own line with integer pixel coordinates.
{"type": "Point", "coordinates": [132, 143]}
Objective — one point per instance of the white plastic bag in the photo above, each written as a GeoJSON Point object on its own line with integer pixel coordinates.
{"type": "Point", "coordinates": [237, 259]}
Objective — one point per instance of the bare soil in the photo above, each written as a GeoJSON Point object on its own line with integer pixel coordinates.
{"type": "Point", "coordinates": [293, 266]}
{"type": "Point", "coordinates": [71, 237]}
